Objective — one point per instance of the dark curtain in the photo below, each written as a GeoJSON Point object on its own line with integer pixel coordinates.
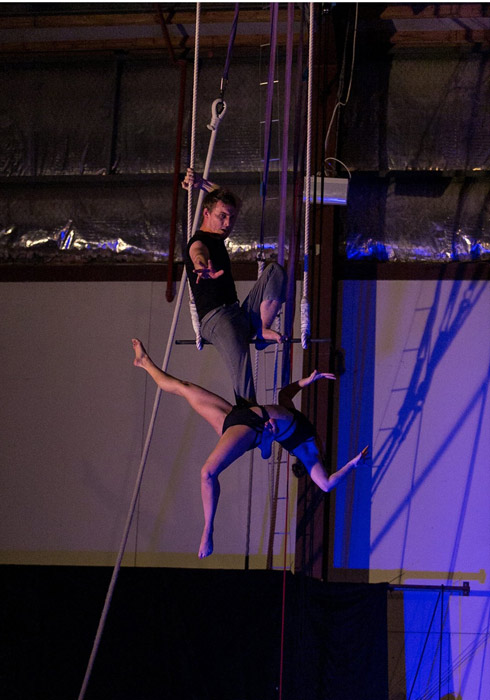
{"type": "Point", "coordinates": [190, 635]}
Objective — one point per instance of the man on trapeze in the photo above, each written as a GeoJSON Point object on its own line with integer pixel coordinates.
{"type": "Point", "coordinates": [242, 428]}
{"type": "Point", "coordinates": [225, 323]}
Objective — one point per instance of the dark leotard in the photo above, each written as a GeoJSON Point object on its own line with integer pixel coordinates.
{"type": "Point", "coordinates": [243, 415]}
{"type": "Point", "coordinates": [303, 431]}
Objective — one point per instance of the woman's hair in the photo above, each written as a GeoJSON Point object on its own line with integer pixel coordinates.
{"type": "Point", "coordinates": [219, 195]}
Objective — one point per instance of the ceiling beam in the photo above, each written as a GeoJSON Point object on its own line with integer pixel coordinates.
{"type": "Point", "coordinates": [136, 31]}
{"type": "Point", "coordinates": [420, 11]}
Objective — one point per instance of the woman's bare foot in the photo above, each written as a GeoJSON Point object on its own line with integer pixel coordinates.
{"type": "Point", "coordinates": [140, 354]}
{"type": "Point", "coordinates": [206, 546]}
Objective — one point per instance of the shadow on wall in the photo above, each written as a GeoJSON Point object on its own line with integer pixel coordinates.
{"type": "Point", "coordinates": [434, 344]}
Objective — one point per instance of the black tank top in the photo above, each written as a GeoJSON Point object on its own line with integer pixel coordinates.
{"type": "Point", "coordinates": [209, 294]}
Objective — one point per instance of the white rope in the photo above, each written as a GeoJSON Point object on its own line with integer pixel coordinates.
{"type": "Point", "coordinates": [137, 487]}
{"type": "Point", "coordinates": [136, 491]}
{"type": "Point", "coordinates": [218, 110]}
{"type": "Point", "coordinates": [305, 307]}
{"type": "Point", "coordinates": [192, 304]}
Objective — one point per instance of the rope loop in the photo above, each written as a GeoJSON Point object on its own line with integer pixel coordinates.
{"type": "Point", "coordinates": [218, 109]}
{"type": "Point", "coordinates": [305, 323]}
{"type": "Point", "coordinates": [195, 323]}
{"type": "Point", "coordinates": [305, 307]}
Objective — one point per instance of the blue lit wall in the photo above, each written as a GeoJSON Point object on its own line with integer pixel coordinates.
{"type": "Point", "coordinates": [417, 380]}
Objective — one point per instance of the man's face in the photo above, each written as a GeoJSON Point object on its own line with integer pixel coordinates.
{"type": "Point", "coordinates": [219, 220]}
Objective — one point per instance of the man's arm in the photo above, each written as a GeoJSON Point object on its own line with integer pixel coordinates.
{"type": "Point", "coordinates": [194, 180]}
{"type": "Point", "coordinates": [203, 266]}
{"type": "Point", "coordinates": [287, 394]}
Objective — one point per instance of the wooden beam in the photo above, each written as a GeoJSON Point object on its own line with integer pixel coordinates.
{"type": "Point", "coordinates": [435, 11]}
{"type": "Point", "coordinates": [253, 30]}
{"type": "Point", "coordinates": [451, 37]}
{"type": "Point", "coordinates": [140, 19]}
{"type": "Point", "coordinates": [135, 44]}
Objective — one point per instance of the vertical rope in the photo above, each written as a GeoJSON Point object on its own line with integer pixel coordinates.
{"type": "Point", "coordinates": [218, 110]}
{"type": "Point", "coordinates": [305, 307]}
{"type": "Point", "coordinates": [284, 569]}
{"type": "Point", "coordinates": [136, 490]}
{"type": "Point", "coordinates": [192, 304]}
{"type": "Point", "coordinates": [276, 471]}
{"type": "Point", "coordinates": [176, 182]}
{"type": "Point", "coordinates": [226, 70]}
{"type": "Point", "coordinates": [250, 476]}
{"type": "Point", "coordinates": [297, 195]}
{"type": "Point", "coordinates": [195, 81]}
{"type": "Point", "coordinates": [268, 121]}
{"type": "Point", "coordinates": [285, 136]}
{"type": "Point", "coordinates": [260, 252]}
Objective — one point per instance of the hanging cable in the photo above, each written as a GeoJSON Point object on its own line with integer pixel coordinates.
{"type": "Point", "coordinates": [260, 253]}
{"type": "Point", "coordinates": [342, 102]}
{"type": "Point", "coordinates": [218, 110]}
{"type": "Point", "coordinates": [190, 229]}
{"type": "Point", "coordinates": [285, 136]}
{"type": "Point", "coordinates": [305, 307]}
{"type": "Point", "coordinates": [284, 570]}
{"type": "Point", "coordinates": [267, 130]}
{"type": "Point", "coordinates": [231, 42]}
{"type": "Point", "coordinates": [134, 498]}
{"type": "Point", "coordinates": [250, 478]}
{"type": "Point", "coordinates": [176, 183]}
{"type": "Point", "coordinates": [294, 235]}
{"type": "Point", "coordinates": [178, 150]}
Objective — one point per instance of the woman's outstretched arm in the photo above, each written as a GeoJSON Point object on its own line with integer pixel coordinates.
{"type": "Point", "coordinates": [287, 394]}
{"type": "Point", "coordinates": [328, 483]}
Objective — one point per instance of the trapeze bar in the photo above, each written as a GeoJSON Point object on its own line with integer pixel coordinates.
{"type": "Point", "coordinates": [254, 342]}
{"type": "Point", "coordinates": [464, 589]}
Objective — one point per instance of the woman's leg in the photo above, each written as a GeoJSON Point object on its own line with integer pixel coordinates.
{"type": "Point", "coordinates": [210, 406]}
{"type": "Point", "coordinates": [232, 445]}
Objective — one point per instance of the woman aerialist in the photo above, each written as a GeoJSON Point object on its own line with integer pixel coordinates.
{"type": "Point", "coordinates": [244, 427]}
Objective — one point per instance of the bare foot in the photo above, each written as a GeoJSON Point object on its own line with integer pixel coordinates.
{"type": "Point", "coordinates": [140, 354]}
{"type": "Point", "coordinates": [206, 546]}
